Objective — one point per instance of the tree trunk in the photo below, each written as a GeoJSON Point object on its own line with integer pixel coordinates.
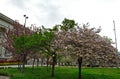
{"type": "Point", "coordinates": [37, 62]}
{"type": "Point", "coordinates": [47, 62]}
{"type": "Point", "coordinates": [23, 62]}
{"type": "Point", "coordinates": [41, 61]}
{"type": "Point", "coordinates": [79, 67]}
{"type": "Point", "coordinates": [20, 63]}
{"type": "Point", "coordinates": [33, 63]}
{"type": "Point", "coordinates": [53, 64]}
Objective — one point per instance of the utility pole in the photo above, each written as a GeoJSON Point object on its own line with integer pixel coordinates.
{"type": "Point", "coordinates": [116, 44]}
{"type": "Point", "coordinates": [115, 34]}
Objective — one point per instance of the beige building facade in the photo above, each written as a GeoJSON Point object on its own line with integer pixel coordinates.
{"type": "Point", "coordinates": [5, 24]}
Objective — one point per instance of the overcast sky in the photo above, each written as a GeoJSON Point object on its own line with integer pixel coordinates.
{"type": "Point", "coordinates": [51, 12]}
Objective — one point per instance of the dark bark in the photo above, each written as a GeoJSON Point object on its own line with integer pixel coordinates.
{"type": "Point", "coordinates": [37, 62]}
{"type": "Point", "coordinates": [41, 61]}
{"type": "Point", "coordinates": [79, 67]}
{"type": "Point", "coordinates": [53, 65]}
{"type": "Point", "coordinates": [47, 62]}
{"type": "Point", "coordinates": [20, 63]}
{"type": "Point", "coordinates": [24, 55]}
{"type": "Point", "coordinates": [33, 63]}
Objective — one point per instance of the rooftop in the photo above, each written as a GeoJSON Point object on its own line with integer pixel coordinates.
{"type": "Point", "coordinates": [5, 18]}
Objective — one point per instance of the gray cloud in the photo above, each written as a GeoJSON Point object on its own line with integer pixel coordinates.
{"type": "Point", "coordinates": [18, 3]}
{"type": "Point", "coordinates": [52, 11]}
{"type": "Point", "coordinates": [48, 12]}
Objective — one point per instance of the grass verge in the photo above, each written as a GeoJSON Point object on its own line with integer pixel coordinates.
{"type": "Point", "coordinates": [63, 73]}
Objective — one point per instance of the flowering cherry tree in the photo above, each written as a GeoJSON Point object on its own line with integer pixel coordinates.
{"type": "Point", "coordinates": [87, 46]}
{"type": "Point", "coordinates": [9, 39]}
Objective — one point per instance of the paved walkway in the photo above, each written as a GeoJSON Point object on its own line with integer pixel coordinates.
{"type": "Point", "coordinates": [13, 66]}
{"type": "Point", "coordinates": [4, 77]}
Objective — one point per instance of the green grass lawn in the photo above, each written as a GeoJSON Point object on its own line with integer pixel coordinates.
{"type": "Point", "coordinates": [63, 73]}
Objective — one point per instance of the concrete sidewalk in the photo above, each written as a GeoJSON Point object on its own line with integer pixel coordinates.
{"type": "Point", "coordinates": [4, 77]}
{"type": "Point", "coordinates": [13, 66]}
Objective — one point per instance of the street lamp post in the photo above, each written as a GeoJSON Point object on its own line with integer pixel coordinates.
{"type": "Point", "coordinates": [26, 17]}
{"type": "Point", "coordinates": [24, 54]}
